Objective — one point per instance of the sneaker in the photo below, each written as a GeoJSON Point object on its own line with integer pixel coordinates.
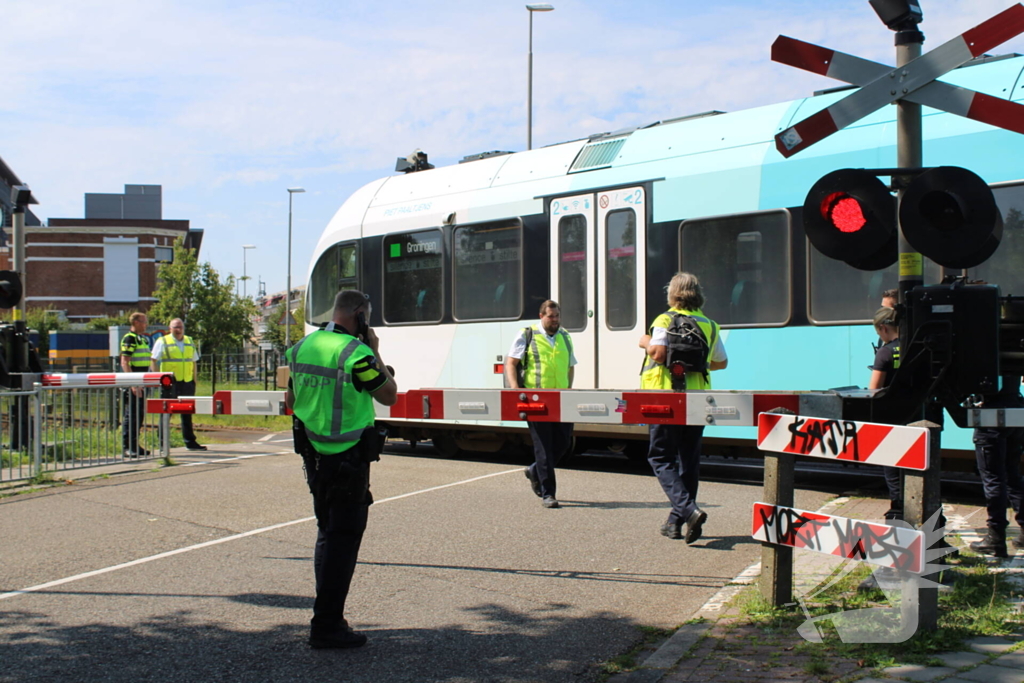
{"type": "Point", "coordinates": [550, 502]}
{"type": "Point", "coordinates": [534, 481]}
{"type": "Point", "coordinates": [130, 454]}
{"type": "Point", "coordinates": [695, 525]}
{"type": "Point", "coordinates": [195, 447]}
{"type": "Point", "coordinates": [672, 530]}
{"type": "Point", "coordinates": [342, 639]}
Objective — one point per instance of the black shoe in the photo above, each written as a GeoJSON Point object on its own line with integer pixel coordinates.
{"type": "Point", "coordinates": [695, 525]}
{"type": "Point", "coordinates": [195, 447]}
{"type": "Point", "coordinates": [534, 481]}
{"type": "Point", "coordinates": [994, 544]}
{"type": "Point", "coordinates": [342, 639]}
{"type": "Point", "coordinates": [672, 530]}
{"type": "Point", "coordinates": [550, 502]}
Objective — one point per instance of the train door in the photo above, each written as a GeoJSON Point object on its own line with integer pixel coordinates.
{"type": "Point", "coordinates": [573, 279]}
{"type": "Point", "coordinates": [597, 275]}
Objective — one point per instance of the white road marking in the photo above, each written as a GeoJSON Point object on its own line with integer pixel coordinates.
{"type": "Point", "coordinates": [268, 437]}
{"type": "Point", "coordinates": [240, 457]}
{"type": "Point", "coordinates": [234, 537]}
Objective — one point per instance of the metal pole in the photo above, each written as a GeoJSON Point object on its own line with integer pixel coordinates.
{"type": "Point", "coordinates": [288, 295]}
{"type": "Point", "coordinates": [18, 238]}
{"type": "Point", "coordinates": [910, 154]}
{"type": "Point", "coordinates": [36, 417]}
{"type": "Point", "coordinates": [245, 293]}
{"type": "Point", "coordinates": [529, 89]}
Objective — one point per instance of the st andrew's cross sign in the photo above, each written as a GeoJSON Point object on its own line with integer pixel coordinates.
{"type": "Point", "coordinates": [915, 82]}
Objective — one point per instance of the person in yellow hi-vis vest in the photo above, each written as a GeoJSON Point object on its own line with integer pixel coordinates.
{"type": "Point", "coordinates": [543, 354]}
{"type": "Point", "coordinates": [177, 354]}
{"type": "Point", "coordinates": [682, 348]}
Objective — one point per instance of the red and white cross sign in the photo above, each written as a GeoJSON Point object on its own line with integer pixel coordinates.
{"type": "Point", "coordinates": [844, 440]}
{"type": "Point", "coordinates": [914, 82]}
{"type": "Point", "coordinates": [887, 546]}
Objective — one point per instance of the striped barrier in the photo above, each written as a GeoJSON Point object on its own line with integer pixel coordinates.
{"type": "Point", "coordinates": [107, 379]}
{"type": "Point", "coordinates": [886, 546]}
{"type": "Point", "coordinates": [844, 440]}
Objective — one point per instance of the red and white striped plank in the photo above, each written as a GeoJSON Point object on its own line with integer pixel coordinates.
{"type": "Point", "coordinates": [898, 83]}
{"type": "Point", "coordinates": [104, 379]}
{"type": "Point", "coordinates": [879, 544]}
{"type": "Point", "coordinates": [938, 95]}
{"type": "Point", "coordinates": [183, 405]}
{"type": "Point", "coordinates": [250, 403]}
{"type": "Point", "coordinates": [844, 440]}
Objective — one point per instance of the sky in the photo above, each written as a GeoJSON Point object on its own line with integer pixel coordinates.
{"type": "Point", "coordinates": [227, 103]}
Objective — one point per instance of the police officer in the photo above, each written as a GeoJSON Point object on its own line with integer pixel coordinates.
{"type": "Point", "coordinates": [887, 361]}
{"type": "Point", "coordinates": [336, 375]}
{"type": "Point", "coordinates": [135, 357]}
{"type": "Point", "coordinates": [998, 451]}
{"type": "Point", "coordinates": [176, 353]}
{"type": "Point", "coordinates": [545, 353]}
{"type": "Point", "coordinates": [675, 449]}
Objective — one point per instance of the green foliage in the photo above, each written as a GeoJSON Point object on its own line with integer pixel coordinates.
{"type": "Point", "coordinates": [275, 325]}
{"type": "Point", "coordinates": [214, 315]}
{"type": "Point", "coordinates": [45, 320]}
{"type": "Point", "coordinates": [107, 322]}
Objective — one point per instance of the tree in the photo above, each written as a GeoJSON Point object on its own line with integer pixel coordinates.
{"type": "Point", "coordinates": [43, 321]}
{"type": "Point", "coordinates": [275, 325]}
{"type": "Point", "coordinates": [214, 315]}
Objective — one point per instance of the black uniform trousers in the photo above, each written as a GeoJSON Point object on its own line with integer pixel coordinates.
{"type": "Point", "coordinates": [551, 440]}
{"type": "Point", "coordinates": [675, 458]}
{"type": "Point", "coordinates": [134, 415]}
{"type": "Point", "coordinates": [894, 483]}
{"type": "Point", "coordinates": [998, 452]}
{"type": "Point", "coordinates": [340, 521]}
{"type": "Point", "coordinates": [182, 389]}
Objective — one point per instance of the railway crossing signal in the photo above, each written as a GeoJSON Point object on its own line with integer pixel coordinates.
{"type": "Point", "coordinates": [914, 82]}
{"type": "Point", "coordinates": [850, 216]}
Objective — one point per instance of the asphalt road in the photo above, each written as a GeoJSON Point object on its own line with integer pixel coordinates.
{"type": "Point", "coordinates": [204, 571]}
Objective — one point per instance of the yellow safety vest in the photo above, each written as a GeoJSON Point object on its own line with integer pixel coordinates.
{"type": "Point", "coordinates": [178, 361]}
{"type": "Point", "coordinates": [546, 366]}
{"type": "Point", "coordinates": [656, 376]}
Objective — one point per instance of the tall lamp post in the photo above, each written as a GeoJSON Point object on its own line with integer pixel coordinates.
{"type": "Point", "coordinates": [245, 278]}
{"type": "Point", "coordinates": [542, 7]}
{"type": "Point", "coordinates": [288, 295]}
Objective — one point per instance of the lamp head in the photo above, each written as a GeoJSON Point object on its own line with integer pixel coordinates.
{"type": "Point", "coordinates": [899, 15]}
{"type": "Point", "coordinates": [293, 190]}
{"type": "Point", "coordinates": [540, 7]}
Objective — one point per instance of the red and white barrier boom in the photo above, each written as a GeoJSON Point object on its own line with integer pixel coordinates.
{"type": "Point", "coordinates": [886, 546]}
{"type": "Point", "coordinates": [222, 403]}
{"type": "Point", "coordinates": [107, 379]}
{"type": "Point", "coordinates": [844, 440]}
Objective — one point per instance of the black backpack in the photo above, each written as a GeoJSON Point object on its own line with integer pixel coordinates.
{"type": "Point", "coordinates": [688, 350]}
{"type": "Point", "coordinates": [521, 367]}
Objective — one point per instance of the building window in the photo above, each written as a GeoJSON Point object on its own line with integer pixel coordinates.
{"type": "Point", "coordinates": [743, 262]}
{"type": "Point", "coordinates": [413, 277]}
{"type": "Point", "coordinates": [488, 271]}
{"type": "Point", "coordinates": [163, 254]}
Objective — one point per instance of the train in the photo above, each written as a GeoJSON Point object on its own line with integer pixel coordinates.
{"type": "Point", "coordinates": [457, 259]}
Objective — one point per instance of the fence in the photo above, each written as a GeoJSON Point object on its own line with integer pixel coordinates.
{"type": "Point", "coordinates": [256, 367]}
{"type": "Point", "coordinates": [55, 429]}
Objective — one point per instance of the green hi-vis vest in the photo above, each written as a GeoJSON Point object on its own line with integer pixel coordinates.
{"type": "Point", "coordinates": [896, 356]}
{"type": "Point", "coordinates": [137, 347]}
{"type": "Point", "coordinates": [334, 412]}
{"type": "Point", "coordinates": [178, 361]}
{"type": "Point", "coordinates": [546, 366]}
{"type": "Point", "coordinates": [656, 375]}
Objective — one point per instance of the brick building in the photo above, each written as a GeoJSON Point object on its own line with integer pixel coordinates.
{"type": "Point", "coordinates": [105, 263]}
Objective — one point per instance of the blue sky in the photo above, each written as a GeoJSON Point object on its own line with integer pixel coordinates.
{"type": "Point", "coordinates": [228, 103]}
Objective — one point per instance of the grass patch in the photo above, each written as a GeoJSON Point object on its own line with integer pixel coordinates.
{"type": "Point", "coordinates": [627, 662]}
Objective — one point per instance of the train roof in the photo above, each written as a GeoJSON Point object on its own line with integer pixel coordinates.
{"type": "Point", "coordinates": [691, 161]}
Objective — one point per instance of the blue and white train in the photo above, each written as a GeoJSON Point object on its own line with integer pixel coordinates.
{"type": "Point", "coordinates": [457, 259]}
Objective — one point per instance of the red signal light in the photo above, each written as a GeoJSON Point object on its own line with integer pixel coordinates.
{"type": "Point", "coordinates": [844, 212]}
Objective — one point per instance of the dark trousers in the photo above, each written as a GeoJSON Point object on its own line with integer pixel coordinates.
{"type": "Point", "coordinates": [340, 525]}
{"type": "Point", "coordinates": [998, 452]}
{"type": "Point", "coordinates": [131, 423]}
{"type": "Point", "coordinates": [675, 459]}
{"type": "Point", "coordinates": [182, 389]}
{"type": "Point", "coordinates": [894, 483]}
{"type": "Point", "coordinates": [551, 440]}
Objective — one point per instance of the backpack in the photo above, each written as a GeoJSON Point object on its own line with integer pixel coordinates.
{"type": "Point", "coordinates": [688, 350]}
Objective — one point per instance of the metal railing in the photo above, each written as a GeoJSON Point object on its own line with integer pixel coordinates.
{"type": "Point", "coordinates": [55, 429]}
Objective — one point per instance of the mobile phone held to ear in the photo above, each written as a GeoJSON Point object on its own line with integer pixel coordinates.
{"type": "Point", "coordinates": [361, 327]}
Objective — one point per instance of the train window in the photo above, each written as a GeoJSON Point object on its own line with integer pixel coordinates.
{"type": "Point", "coordinates": [1006, 267]}
{"type": "Point", "coordinates": [620, 268]}
{"type": "Point", "coordinates": [335, 270]}
{"type": "Point", "coordinates": [743, 264]}
{"type": "Point", "coordinates": [413, 277]}
{"type": "Point", "coordinates": [488, 271]}
{"type": "Point", "coordinates": [840, 294]}
{"type": "Point", "coordinates": [572, 271]}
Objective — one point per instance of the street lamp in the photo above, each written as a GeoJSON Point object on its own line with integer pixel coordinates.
{"type": "Point", "coordinates": [245, 248]}
{"type": "Point", "coordinates": [288, 295]}
{"type": "Point", "coordinates": [542, 7]}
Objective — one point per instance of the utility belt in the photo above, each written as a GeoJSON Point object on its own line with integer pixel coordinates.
{"type": "Point", "coordinates": [340, 477]}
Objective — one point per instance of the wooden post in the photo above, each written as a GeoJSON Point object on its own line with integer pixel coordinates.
{"type": "Point", "coordinates": [777, 561]}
